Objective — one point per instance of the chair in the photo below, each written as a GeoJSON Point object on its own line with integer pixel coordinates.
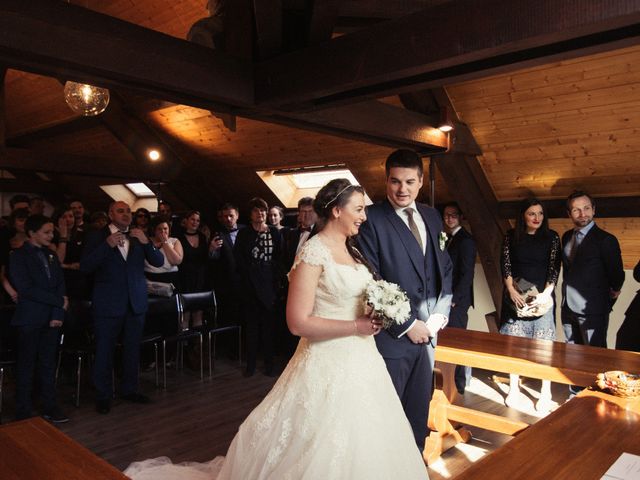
{"type": "Point", "coordinates": [212, 329]}
{"type": "Point", "coordinates": [193, 302]}
{"type": "Point", "coordinates": [159, 309]}
{"type": "Point", "coordinates": [77, 339]}
{"type": "Point", "coordinates": [7, 350]}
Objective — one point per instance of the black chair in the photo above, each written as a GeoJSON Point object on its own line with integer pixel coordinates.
{"type": "Point", "coordinates": [77, 339]}
{"type": "Point", "coordinates": [212, 329]}
{"type": "Point", "coordinates": [163, 311]}
{"type": "Point", "coordinates": [7, 348]}
{"type": "Point", "coordinates": [193, 302]}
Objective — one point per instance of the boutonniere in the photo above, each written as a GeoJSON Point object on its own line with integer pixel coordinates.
{"type": "Point", "coordinates": [442, 241]}
{"type": "Point", "coordinates": [50, 259]}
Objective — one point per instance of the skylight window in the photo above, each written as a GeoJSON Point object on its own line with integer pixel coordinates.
{"type": "Point", "coordinates": [140, 190]}
{"type": "Point", "coordinates": [291, 184]}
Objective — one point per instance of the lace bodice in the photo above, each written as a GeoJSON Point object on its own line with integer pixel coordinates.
{"type": "Point", "coordinates": [341, 287]}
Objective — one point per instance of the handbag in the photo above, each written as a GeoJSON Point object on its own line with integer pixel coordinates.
{"type": "Point", "coordinates": [528, 293]}
{"type": "Point", "coordinates": [161, 289]}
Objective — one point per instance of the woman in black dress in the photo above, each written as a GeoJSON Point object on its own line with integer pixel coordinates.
{"type": "Point", "coordinates": [192, 270]}
{"type": "Point", "coordinates": [258, 253]}
{"type": "Point", "coordinates": [530, 257]}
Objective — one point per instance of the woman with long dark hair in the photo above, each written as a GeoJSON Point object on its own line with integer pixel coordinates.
{"type": "Point", "coordinates": [334, 413]}
{"type": "Point", "coordinates": [530, 267]}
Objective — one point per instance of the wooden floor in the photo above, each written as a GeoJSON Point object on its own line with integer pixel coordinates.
{"type": "Point", "coordinates": [194, 420]}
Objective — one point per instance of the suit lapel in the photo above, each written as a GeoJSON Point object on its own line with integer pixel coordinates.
{"type": "Point", "coordinates": [433, 232]}
{"type": "Point", "coordinates": [406, 238]}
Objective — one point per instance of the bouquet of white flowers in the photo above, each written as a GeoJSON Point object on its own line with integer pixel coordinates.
{"type": "Point", "coordinates": [388, 302]}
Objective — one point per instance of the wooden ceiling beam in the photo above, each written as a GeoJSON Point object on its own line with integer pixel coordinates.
{"type": "Point", "coordinates": [3, 109]}
{"type": "Point", "coordinates": [70, 42]}
{"type": "Point", "coordinates": [69, 126]}
{"type": "Point", "coordinates": [606, 207]}
{"type": "Point", "coordinates": [454, 41]}
{"type": "Point", "coordinates": [67, 164]}
{"type": "Point", "coordinates": [373, 122]}
{"type": "Point", "coordinates": [323, 17]}
{"type": "Point", "coordinates": [268, 22]}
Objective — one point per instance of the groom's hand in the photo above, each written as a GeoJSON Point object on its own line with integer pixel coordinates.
{"type": "Point", "coordinates": [419, 333]}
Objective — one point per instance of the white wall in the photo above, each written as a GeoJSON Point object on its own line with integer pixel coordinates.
{"type": "Point", "coordinates": [484, 305]}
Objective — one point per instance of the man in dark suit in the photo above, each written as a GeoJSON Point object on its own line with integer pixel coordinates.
{"type": "Point", "coordinates": [404, 242]}
{"type": "Point", "coordinates": [116, 256]}
{"type": "Point", "coordinates": [592, 275]}
{"type": "Point", "coordinates": [462, 249]}
{"type": "Point", "coordinates": [296, 237]}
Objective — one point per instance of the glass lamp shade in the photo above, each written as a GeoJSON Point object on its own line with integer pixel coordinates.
{"type": "Point", "coordinates": [86, 99]}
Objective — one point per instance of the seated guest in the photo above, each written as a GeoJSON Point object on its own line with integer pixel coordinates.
{"type": "Point", "coordinates": [257, 250]}
{"type": "Point", "coordinates": [628, 337]}
{"type": "Point", "coordinates": [37, 277]}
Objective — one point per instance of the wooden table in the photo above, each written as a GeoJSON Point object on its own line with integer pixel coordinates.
{"type": "Point", "coordinates": [555, 361]}
{"type": "Point", "coordinates": [35, 450]}
{"type": "Point", "coordinates": [580, 440]}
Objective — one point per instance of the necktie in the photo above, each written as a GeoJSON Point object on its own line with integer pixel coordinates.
{"type": "Point", "coordinates": [575, 243]}
{"type": "Point", "coordinates": [414, 228]}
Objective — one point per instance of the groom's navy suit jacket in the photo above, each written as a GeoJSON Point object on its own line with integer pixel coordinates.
{"type": "Point", "coordinates": [386, 242]}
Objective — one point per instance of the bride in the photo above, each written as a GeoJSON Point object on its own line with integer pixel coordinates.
{"type": "Point", "coordinates": [333, 413]}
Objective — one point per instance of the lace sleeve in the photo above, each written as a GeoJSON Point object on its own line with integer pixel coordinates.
{"type": "Point", "coordinates": [313, 252]}
{"type": "Point", "coordinates": [554, 259]}
{"type": "Point", "coordinates": [505, 259]}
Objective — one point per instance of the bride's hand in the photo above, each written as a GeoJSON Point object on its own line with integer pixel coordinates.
{"type": "Point", "coordinates": [366, 325]}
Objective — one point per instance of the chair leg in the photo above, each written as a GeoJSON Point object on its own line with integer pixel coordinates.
{"type": "Point", "coordinates": [164, 364]}
{"type": "Point", "coordinates": [79, 375]}
{"type": "Point", "coordinates": [209, 351]}
{"type": "Point", "coordinates": [155, 354]}
{"type": "Point", "coordinates": [201, 359]}
{"type": "Point", "coordinates": [1, 384]}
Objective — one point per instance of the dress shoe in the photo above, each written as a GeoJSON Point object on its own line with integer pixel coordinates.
{"type": "Point", "coordinates": [103, 406]}
{"type": "Point", "coordinates": [136, 398]}
{"type": "Point", "coordinates": [55, 415]}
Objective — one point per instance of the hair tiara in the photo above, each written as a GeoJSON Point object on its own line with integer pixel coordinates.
{"type": "Point", "coordinates": [336, 197]}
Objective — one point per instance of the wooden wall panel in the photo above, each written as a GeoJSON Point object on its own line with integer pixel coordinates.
{"type": "Point", "coordinates": [550, 129]}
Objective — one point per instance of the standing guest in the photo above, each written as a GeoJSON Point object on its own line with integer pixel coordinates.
{"type": "Point", "coordinates": [530, 256]}
{"type": "Point", "coordinates": [70, 244]}
{"type": "Point", "coordinates": [98, 220]}
{"type": "Point", "coordinates": [116, 256]}
{"type": "Point", "coordinates": [593, 274]}
{"type": "Point", "coordinates": [38, 279]}
{"type": "Point", "coordinates": [18, 201]}
{"type": "Point", "coordinates": [17, 238]}
{"type": "Point", "coordinates": [224, 272]}
{"type": "Point", "coordinates": [296, 237]}
{"type": "Point", "coordinates": [170, 247]}
{"type": "Point", "coordinates": [257, 250]}
{"type": "Point", "coordinates": [192, 270]}
{"type": "Point", "coordinates": [78, 213]}
{"type": "Point", "coordinates": [275, 216]}
{"type": "Point", "coordinates": [165, 209]}
{"type": "Point", "coordinates": [141, 219]}
{"type": "Point", "coordinates": [462, 249]}
{"type": "Point", "coordinates": [628, 337]}
{"type": "Point", "coordinates": [36, 205]}
{"type": "Point", "coordinates": [404, 242]}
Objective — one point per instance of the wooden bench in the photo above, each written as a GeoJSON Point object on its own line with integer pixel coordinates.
{"type": "Point", "coordinates": [555, 361]}
{"type": "Point", "coordinates": [35, 450]}
{"type": "Point", "coordinates": [580, 440]}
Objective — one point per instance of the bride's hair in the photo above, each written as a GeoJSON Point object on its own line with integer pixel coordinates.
{"type": "Point", "coordinates": [337, 193]}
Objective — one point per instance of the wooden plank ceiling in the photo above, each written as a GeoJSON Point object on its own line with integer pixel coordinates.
{"type": "Point", "coordinates": [543, 130]}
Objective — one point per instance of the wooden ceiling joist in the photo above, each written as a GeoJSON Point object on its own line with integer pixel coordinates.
{"type": "Point", "coordinates": [454, 41]}
{"type": "Point", "coordinates": [66, 41]}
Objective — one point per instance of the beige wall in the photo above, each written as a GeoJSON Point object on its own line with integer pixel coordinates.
{"type": "Point", "coordinates": [484, 305]}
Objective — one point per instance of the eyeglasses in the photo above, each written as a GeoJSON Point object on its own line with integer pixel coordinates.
{"type": "Point", "coordinates": [451, 215]}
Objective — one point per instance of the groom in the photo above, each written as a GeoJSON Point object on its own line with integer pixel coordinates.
{"type": "Point", "coordinates": [402, 240]}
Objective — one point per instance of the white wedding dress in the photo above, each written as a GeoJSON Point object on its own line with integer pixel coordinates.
{"type": "Point", "coordinates": [333, 413]}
